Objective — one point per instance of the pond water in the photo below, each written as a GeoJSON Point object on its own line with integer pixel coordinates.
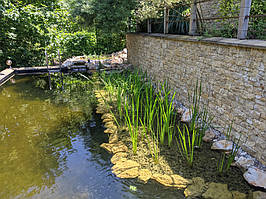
{"type": "Point", "coordinates": [50, 149]}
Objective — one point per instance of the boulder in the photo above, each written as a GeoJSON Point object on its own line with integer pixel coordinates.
{"type": "Point", "coordinates": [144, 175]}
{"type": "Point", "coordinates": [186, 115]}
{"type": "Point", "coordinates": [119, 148]}
{"type": "Point", "coordinates": [108, 147]}
{"type": "Point", "coordinates": [107, 116]}
{"type": "Point", "coordinates": [130, 173]}
{"type": "Point", "coordinates": [180, 182]}
{"type": "Point", "coordinates": [118, 156]}
{"type": "Point", "coordinates": [126, 168]}
{"type": "Point", "coordinates": [163, 179]}
{"type": "Point", "coordinates": [238, 195]}
{"type": "Point", "coordinates": [256, 177]}
{"type": "Point", "coordinates": [196, 188]}
{"type": "Point", "coordinates": [209, 135]}
{"type": "Point", "coordinates": [113, 138]}
{"type": "Point", "coordinates": [217, 191]}
{"type": "Point", "coordinates": [110, 131]}
{"type": "Point", "coordinates": [222, 145]}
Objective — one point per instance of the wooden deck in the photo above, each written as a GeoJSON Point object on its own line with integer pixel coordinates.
{"type": "Point", "coordinates": [6, 75]}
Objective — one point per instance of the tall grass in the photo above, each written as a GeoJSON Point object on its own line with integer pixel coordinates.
{"type": "Point", "coordinates": [186, 143]}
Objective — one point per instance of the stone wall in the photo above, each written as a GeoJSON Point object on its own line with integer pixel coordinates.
{"type": "Point", "coordinates": [232, 74]}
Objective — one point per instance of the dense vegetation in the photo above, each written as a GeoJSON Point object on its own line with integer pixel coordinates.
{"type": "Point", "coordinates": [83, 27]}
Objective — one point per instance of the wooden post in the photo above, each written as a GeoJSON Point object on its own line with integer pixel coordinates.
{"type": "Point", "coordinates": [243, 20]}
{"type": "Point", "coordinates": [149, 25]}
{"type": "Point", "coordinates": [193, 18]}
{"type": "Point", "coordinates": [165, 20]}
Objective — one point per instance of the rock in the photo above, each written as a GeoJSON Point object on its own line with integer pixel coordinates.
{"type": "Point", "coordinates": [186, 116]}
{"type": "Point", "coordinates": [113, 138]}
{"type": "Point", "coordinates": [130, 173]}
{"type": "Point", "coordinates": [126, 168]}
{"type": "Point", "coordinates": [118, 156]}
{"type": "Point", "coordinates": [144, 175]}
{"type": "Point", "coordinates": [238, 195]}
{"type": "Point", "coordinates": [119, 148]}
{"type": "Point", "coordinates": [108, 147]}
{"type": "Point", "coordinates": [196, 188]}
{"type": "Point", "coordinates": [217, 191]}
{"type": "Point", "coordinates": [107, 116]}
{"type": "Point", "coordinates": [110, 131]}
{"type": "Point", "coordinates": [209, 135]}
{"type": "Point", "coordinates": [180, 182]}
{"type": "Point", "coordinates": [108, 120]}
{"type": "Point", "coordinates": [244, 162]}
{"type": "Point", "coordinates": [222, 145]}
{"type": "Point", "coordinates": [164, 179]}
{"type": "Point", "coordinates": [256, 177]}
{"type": "Point", "coordinates": [258, 195]}
{"type": "Point", "coordinates": [80, 60]}
{"type": "Point", "coordinates": [110, 125]}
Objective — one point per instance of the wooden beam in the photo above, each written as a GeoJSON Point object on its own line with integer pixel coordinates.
{"type": "Point", "coordinates": [193, 18]}
{"type": "Point", "coordinates": [149, 26]}
{"type": "Point", "coordinates": [243, 20]}
{"type": "Point", "coordinates": [165, 20]}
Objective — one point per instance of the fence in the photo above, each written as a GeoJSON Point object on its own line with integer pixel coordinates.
{"type": "Point", "coordinates": [204, 19]}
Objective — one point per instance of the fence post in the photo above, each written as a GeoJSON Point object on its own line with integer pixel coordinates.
{"type": "Point", "coordinates": [165, 20]}
{"type": "Point", "coordinates": [149, 25]}
{"type": "Point", "coordinates": [193, 18]}
{"type": "Point", "coordinates": [243, 19]}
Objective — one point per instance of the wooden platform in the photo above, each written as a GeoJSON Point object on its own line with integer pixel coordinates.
{"type": "Point", "coordinates": [6, 75]}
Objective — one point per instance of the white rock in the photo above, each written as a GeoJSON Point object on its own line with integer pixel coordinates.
{"type": "Point", "coordinates": [186, 116]}
{"type": "Point", "coordinates": [223, 145]}
{"type": "Point", "coordinates": [256, 177]}
{"type": "Point", "coordinates": [209, 135]}
{"type": "Point", "coordinates": [244, 162]}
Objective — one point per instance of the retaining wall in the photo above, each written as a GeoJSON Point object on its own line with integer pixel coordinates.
{"type": "Point", "coordinates": [232, 74]}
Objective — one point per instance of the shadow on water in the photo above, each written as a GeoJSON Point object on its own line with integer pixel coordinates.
{"type": "Point", "coordinates": [51, 151]}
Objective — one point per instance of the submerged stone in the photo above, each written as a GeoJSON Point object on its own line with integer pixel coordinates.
{"type": "Point", "coordinates": [118, 156]}
{"type": "Point", "coordinates": [163, 179]}
{"type": "Point", "coordinates": [258, 195]}
{"type": "Point", "coordinates": [180, 182]}
{"type": "Point", "coordinates": [144, 175]}
{"type": "Point", "coordinates": [217, 191]}
{"type": "Point", "coordinates": [222, 145]}
{"type": "Point", "coordinates": [126, 168]}
{"type": "Point", "coordinates": [256, 177]}
{"type": "Point", "coordinates": [238, 195]}
{"type": "Point", "coordinates": [108, 147]}
{"type": "Point", "coordinates": [196, 188]}
{"type": "Point", "coordinates": [130, 173]}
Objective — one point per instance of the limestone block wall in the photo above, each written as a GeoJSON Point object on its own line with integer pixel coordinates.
{"type": "Point", "coordinates": [232, 74]}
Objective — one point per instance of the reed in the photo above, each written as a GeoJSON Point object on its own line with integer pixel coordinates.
{"type": "Point", "coordinates": [225, 161]}
{"type": "Point", "coordinates": [186, 143]}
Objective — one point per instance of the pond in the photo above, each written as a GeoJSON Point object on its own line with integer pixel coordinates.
{"type": "Point", "coordinates": [50, 148]}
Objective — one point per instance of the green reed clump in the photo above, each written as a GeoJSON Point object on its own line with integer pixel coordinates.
{"type": "Point", "coordinates": [186, 143]}
{"type": "Point", "coordinates": [225, 161]}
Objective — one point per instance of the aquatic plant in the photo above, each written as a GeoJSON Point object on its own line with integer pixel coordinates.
{"type": "Point", "coordinates": [153, 143]}
{"type": "Point", "coordinates": [226, 160]}
{"type": "Point", "coordinates": [132, 121]}
{"type": "Point", "coordinates": [186, 143]}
